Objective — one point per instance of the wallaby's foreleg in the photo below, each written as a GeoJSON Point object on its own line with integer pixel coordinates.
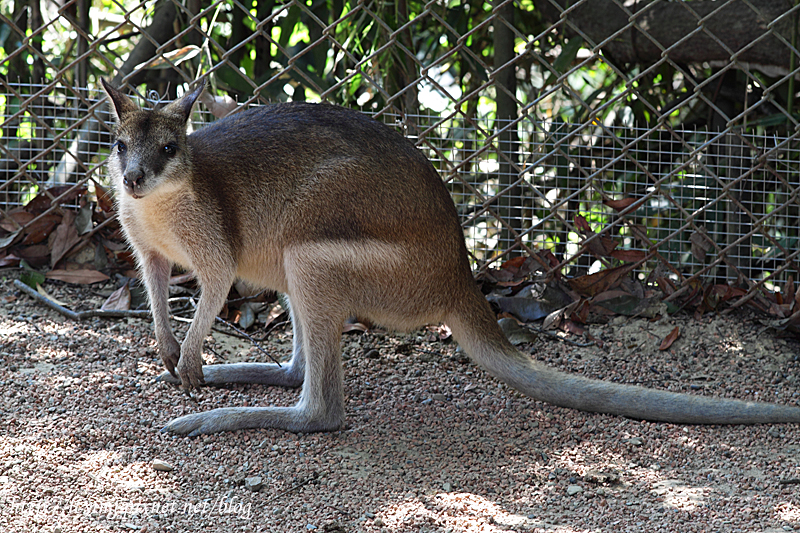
{"type": "Point", "coordinates": [321, 405]}
{"type": "Point", "coordinates": [287, 375]}
{"type": "Point", "coordinates": [214, 286]}
{"type": "Point", "coordinates": [156, 270]}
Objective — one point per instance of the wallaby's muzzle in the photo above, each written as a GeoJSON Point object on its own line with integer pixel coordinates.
{"type": "Point", "coordinates": [133, 179]}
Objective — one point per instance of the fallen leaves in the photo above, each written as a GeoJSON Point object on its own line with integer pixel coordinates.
{"type": "Point", "coordinates": [669, 339]}
{"type": "Point", "coordinates": [79, 277]}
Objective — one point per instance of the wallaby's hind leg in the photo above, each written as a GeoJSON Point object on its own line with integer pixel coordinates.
{"type": "Point", "coordinates": [321, 405]}
{"type": "Point", "coordinates": [287, 375]}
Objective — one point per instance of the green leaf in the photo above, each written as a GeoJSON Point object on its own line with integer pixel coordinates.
{"type": "Point", "coordinates": [30, 277]}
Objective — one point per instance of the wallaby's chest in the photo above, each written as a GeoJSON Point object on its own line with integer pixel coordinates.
{"type": "Point", "coordinates": [161, 222]}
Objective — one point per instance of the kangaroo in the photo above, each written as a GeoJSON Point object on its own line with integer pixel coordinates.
{"type": "Point", "coordinates": [347, 218]}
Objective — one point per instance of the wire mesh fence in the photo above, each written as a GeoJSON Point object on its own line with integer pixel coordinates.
{"type": "Point", "coordinates": [556, 125]}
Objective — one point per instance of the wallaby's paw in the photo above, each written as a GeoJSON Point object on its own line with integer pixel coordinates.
{"type": "Point", "coordinates": [170, 352]}
{"type": "Point", "coordinates": [190, 371]}
{"type": "Point", "coordinates": [204, 423]}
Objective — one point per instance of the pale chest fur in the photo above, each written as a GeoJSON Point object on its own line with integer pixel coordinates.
{"type": "Point", "coordinates": [153, 223]}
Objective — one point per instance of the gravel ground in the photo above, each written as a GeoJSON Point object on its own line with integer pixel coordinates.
{"type": "Point", "coordinates": [433, 443]}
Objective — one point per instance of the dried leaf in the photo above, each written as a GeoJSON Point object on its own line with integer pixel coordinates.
{"type": "Point", "coordinates": [700, 244]}
{"type": "Point", "coordinates": [104, 198]}
{"type": "Point", "coordinates": [665, 285]}
{"type": "Point", "coordinates": [66, 237]}
{"type": "Point", "coordinates": [592, 284]}
{"type": "Point", "coordinates": [181, 278]}
{"type": "Point", "coordinates": [269, 317]}
{"type": "Point", "coordinates": [571, 327]}
{"type": "Point", "coordinates": [248, 316]}
{"type": "Point", "coordinates": [44, 293]}
{"type": "Point", "coordinates": [175, 57]}
{"type": "Point", "coordinates": [526, 309]}
{"type": "Point", "coordinates": [120, 300]}
{"type": "Point", "coordinates": [629, 256]}
{"type": "Point", "coordinates": [669, 339]}
{"type": "Point", "coordinates": [621, 204]}
{"type": "Point", "coordinates": [41, 229]}
{"type": "Point", "coordinates": [583, 225]}
{"type": "Point", "coordinates": [514, 263]}
{"type": "Point", "coordinates": [515, 333]}
{"type": "Point", "coordinates": [83, 220]}
{"type": "Point", "coordinates": [639, 232]}
{"type": "Point", "coordinates": [20, 217]}
{"type": "Point", "coordinates": [43, 200]}
{"type": "Point", "coordinates": [354, 326]}
{"type": "Point", "coordinates": [9, 260]}
{"type": "Point", "coordinates": [9, 239]}
{"type": "Point", "coordinates": [220, 106]}
{"type": "Point", "coordinates": [602, 246]}
{"type": "Point", "coordinates": [78, 277]}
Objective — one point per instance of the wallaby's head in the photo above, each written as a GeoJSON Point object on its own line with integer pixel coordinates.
{"type": "Point", "coordinates": [150, 147]}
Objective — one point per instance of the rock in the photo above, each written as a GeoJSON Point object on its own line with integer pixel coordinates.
{"type": "Point", "coordinates": [594, 476]}
{"type": "Point", "coordinates": [572, 490]}
{"type": "Point", "coordinates": [162, 466]}
{"type": "Point", "coordinates": [636, 441]}
{"type": "Point", "coordinates": [254, 483]}
{"type": "Point", "coordinates": [439, 397]}
{"type": "Point", "coordinates": [377, 522]}
{"type": "Point", "coordinates": [447, 487]}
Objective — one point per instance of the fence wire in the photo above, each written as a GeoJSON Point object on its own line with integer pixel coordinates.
{"type": "Point", "coordinates": [676, 140]}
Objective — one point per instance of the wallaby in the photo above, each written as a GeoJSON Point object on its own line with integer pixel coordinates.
{"type": "Point", "coordinates": [347, 218]}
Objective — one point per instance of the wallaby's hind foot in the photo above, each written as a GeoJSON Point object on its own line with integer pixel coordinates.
{"type": "Point", "coordinates": [295, 419]}
{"type": "Point", "coordinates": [285, 375]}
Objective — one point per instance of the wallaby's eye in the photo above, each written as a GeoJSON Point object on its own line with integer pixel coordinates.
{"type": "Point", "coordinates": [169, 149]}
{"type": "Point", "coordinates": [121, 147]}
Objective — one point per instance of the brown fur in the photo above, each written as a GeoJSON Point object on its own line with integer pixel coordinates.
{"type": "Point", "coordinates": [345, 217]}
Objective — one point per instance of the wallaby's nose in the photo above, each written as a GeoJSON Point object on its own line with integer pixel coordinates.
{"type": "Point", "coordinates": [132, 179]}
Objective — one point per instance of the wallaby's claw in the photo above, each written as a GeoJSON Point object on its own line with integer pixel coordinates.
{"type": "Point", "coordinates": [170, 353]}
{"type": "Point", "coordinates": [191, 373]}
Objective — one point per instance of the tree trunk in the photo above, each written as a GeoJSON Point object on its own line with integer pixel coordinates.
{"type": "Point", "coordinates": [736, 25]}
{"type": "Point", "coordinates": [510, 202]}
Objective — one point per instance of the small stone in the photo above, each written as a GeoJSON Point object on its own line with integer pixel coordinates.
{"type": "Point", "coordinates": [572, 490]}
{"type": "Point", "coordinates": [447, 487]}
{"type": "Point", "coordinates": [377, 522]}
{"type": "Point", "coordinates": [775, 432]}
{"type": "Point", "coordinates": [595, 476]}
{"type": "Point", "coordinates": [369, 514]}
{"type": "Point", "coordinates": [254, 483]}
{"type": "Point", "coordinates": [311, 527]}
{"type": "Point", "coordinates": [162, 466]}
{"type": "Point", "coordinates": [636, 441]}
{"type": "Point", "coordinates": [439, 397]}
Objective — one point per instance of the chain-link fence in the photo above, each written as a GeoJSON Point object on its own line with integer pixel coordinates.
{"type": "Point", "coordinates": [568, 126]}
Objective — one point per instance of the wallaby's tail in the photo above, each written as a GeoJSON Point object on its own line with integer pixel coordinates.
{"type": "Point", "coordinates": [476, 330]}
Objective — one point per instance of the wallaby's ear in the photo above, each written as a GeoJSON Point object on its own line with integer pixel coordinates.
{"type": "Point", "coordinates": [121, 104]}
{"type": "Point", "coordinates": [183, 106]}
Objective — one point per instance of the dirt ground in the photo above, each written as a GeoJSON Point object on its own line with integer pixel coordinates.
{"type": "Point", "coordinates": [433, 443]}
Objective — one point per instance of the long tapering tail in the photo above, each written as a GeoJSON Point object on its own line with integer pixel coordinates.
{"type": "Point", "coordinates": [478, 333]}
